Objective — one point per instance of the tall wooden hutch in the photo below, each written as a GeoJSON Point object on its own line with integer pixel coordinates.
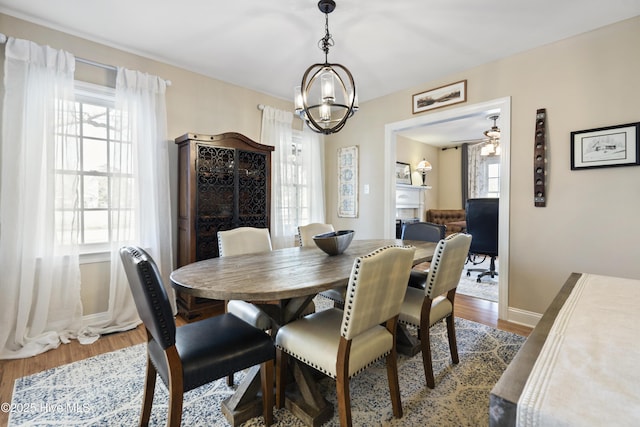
{"type": "Point", "coordinates": [224, 182]}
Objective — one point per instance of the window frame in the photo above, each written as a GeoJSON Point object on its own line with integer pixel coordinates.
{"type": "Point", "coordinates": [490, 161]}
{"type": "Point", "coordinates": [102, 96]}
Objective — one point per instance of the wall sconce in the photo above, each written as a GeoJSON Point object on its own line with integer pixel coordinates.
{"type": "Point", "coordinates": [423, 167]}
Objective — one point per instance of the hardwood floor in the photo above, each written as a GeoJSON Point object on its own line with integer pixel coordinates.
{"type": "Point", "coordinates": [469, 308]}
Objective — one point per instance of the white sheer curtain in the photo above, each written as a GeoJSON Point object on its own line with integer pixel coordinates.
{"type": "Point", "coordinates": [276, 131]}
{"type": "Point", "coordinates": [477, 172]}
{"type": "Point", "coordinates": [141, 209]}
{"type": "Point", "coordinates": [312, 157]}
{"type": "Point", "coordinates": [40, 302]}
{"type": "Point", "coordinates": [297, 184]}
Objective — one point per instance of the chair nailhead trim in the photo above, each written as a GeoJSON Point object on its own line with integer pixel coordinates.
{"type": "Point", "coordinates": [145, 269]}
{"type": "Point", "coordinates": [324, 371]}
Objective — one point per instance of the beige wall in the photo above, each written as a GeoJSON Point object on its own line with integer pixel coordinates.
{"type": "Point", "coordinates": [412, 152]}
{"type": "Point", "coordinates": [444, 178]}
{"type": "Point", "coordinates": [584, 82]}
{"type": "Point", "coordinates": [449, 180]}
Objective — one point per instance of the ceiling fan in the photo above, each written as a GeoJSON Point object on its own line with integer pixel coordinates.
{"type": "Point", "coordinates": [490, 134]}
{"type": "Point", "coordinates": [490, 143]}
{"type": "Point", "coordinates": [475, 141]}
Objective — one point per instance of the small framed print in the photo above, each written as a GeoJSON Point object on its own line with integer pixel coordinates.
{"type": "Point", "coordinates": [403, 173]}
{"type": "Point", "coordinates": [606, 147]}
{"type": "Point", "coordinates": [440, 97]}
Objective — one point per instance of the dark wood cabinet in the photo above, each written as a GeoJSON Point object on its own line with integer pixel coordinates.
{"type": "Point", "coordinates": [224, 182]}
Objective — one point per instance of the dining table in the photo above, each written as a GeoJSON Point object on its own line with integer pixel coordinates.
{"type": "Point", "coordinates": [281, 283]}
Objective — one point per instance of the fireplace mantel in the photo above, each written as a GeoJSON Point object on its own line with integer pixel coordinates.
{"type": "Point", "coordinates": [410, 202]}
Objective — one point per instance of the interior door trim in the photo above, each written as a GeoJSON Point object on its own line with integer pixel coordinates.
{"type": "Point", "coordinates": [391, 131]}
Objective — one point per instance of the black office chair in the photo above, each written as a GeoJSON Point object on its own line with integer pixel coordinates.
{"type": "Point", "coordinates": [427, 232]}
{"type": "Point", "coordinates": [482, 224]}
{"type": "Point", "coordinates": [195, 354]}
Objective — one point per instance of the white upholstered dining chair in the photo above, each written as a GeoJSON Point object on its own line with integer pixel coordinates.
{"type": "Point", "coordinates": [242, 241]}
{"type": "Point", "coordinates": [342, 343]}
{"type": "Point", "coordinates": [424, 308]}
{"type": "Point", "coordinates": [306, 232]}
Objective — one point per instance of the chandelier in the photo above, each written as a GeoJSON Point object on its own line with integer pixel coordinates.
{"type": "Point", "coordinates": [492, 146]}
{"type": "Point", "coordinates": [327, 96]}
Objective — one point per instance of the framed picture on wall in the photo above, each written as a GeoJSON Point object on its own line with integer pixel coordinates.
{"type": "Point", "coordinates": [606, 147]}
{"type": "Point", "coordinates": [348, 182]}
{"type": "Point", "coordinates": [403, 173]}
{"type": "Point", "coordinates": [431, 99]}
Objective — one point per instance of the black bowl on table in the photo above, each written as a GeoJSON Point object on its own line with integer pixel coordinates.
{"type": "Point", "coordinates": [334, 242]}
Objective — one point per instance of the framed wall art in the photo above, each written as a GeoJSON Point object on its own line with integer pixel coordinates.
{"type": "Point", "coordinates": [403, 173]}
{"type": "Point", "coordinates": [606, 147]}
{"type": "Point", "coordinates": [348, 182]}
{"type": "Point", "coordinates": [440, 97]}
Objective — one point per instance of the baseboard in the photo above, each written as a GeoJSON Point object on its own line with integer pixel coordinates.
{"type": "Point", "coordinates": [96, 318]}
{"type": "Point", "coordinates": [523, 317]}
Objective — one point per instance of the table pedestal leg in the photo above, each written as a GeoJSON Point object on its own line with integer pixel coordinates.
{"type": "Point", "coordinates": [406, 343]}
{"type": "Point", "coordinates": [304, 400]}
{"type": "Point", "coordinates": [245, 403]}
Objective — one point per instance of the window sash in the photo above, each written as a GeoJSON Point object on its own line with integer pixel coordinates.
{"type": "Point", "coordinates": [100, 172]}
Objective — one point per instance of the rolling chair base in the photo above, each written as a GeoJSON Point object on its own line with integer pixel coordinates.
{"type": "Point", "coordinates": [484, 272]}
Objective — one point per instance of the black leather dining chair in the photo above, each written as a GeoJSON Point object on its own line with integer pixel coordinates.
{"type": "Point", "coordinates": [482, 224]}
{"type": "Point", "coordinates": [427, 232]}
{"type": "Point", "coordinates": [194, 354]}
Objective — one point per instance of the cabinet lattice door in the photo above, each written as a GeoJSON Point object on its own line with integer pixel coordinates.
{"type": "Point", "coordinates": [224, 183]}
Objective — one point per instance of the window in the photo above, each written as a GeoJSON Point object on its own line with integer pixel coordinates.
{"type": "Point", "coordinates": [100, 169]}
{"type": "Point", "coordinates": [295, 207]}
{"type": "Point", "coordinates": [483, 173]}
{"type": "Point", "coordinates": [493, 176]}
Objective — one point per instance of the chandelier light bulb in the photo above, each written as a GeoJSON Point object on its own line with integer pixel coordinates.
{"type": "Point", "coordinates": [328, 89]}
{"type": "Point", "coordinates": [325, 112]}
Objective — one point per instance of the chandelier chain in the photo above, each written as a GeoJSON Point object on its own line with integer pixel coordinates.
{"type": "Point", "coordinates": [327, 41]}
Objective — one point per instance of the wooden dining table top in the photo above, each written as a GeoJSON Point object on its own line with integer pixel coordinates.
{"type": "Point", "coordinates": [281, 273]}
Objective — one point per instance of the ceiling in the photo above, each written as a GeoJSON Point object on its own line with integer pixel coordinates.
{"type": "Point", "coordinates": [267, 45]}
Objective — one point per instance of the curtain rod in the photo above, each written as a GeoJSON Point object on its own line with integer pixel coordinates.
{"type": "Point", "coordinates": [3, 40]}
{"type": "Point", "coordinates": [96, 64]}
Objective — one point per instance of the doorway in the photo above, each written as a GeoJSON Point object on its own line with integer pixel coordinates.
{"type": "Point", "coordinates": [444, 118]}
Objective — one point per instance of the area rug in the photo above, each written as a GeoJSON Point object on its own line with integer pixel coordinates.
{"type": "Point", "coordinates": [486, 289]}
{"type": "Point", "coordinates": [106, 390]}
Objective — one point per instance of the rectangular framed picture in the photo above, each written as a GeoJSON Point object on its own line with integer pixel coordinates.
{"type": "Point", "coordinates": [440, 97]}
{"type": "Point", "coordinates": [403, 173]}
{"type": "Point", "coordinates": [606, 147]}
{"type": "Point", "coordinates": [348, 182]}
